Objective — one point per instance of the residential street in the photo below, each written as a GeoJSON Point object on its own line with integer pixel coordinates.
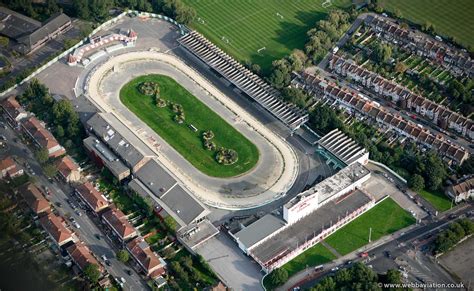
{"type": "Point", "coordinates": [88, 230]}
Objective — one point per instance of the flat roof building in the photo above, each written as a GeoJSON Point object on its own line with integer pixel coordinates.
{"type": "Point", "coordinates": [101, 154]}
{"type": "Point", "coordinates": [346, 180]}
{"type": "Point", "coordinates": [29, 34]}
{"type": "Point", "coordinates": [118, 138]}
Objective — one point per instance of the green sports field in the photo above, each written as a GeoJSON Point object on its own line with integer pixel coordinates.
{"type": "Point", "coordinates": [184, 140]}
{"type": "Point", "coordinates": [385, 218]}
{"type": "Point", "coordinates": [454, 18]}
{"type": "Point", "coordinates": [241, 27]}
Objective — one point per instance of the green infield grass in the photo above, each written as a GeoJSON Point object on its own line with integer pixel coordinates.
{"type": "Point", "coordinates": [260, 31]}
{"type": "Point", "coordinates": [384, 218]}
{"type": "Point", "coordinates": [452, 18]}
{"type": "Point", "coordinates": [181, 137]}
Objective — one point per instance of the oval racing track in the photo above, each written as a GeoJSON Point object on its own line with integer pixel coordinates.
{"type": "Point", "coordinates": [270, 179]}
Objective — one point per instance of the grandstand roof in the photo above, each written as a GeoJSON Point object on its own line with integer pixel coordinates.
{"type": "Point", "coordinates": [342, 147]}
{"type": "Point", "coordinates": [244, 79]}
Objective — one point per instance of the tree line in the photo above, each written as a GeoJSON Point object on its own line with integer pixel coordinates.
{"type": "Point", "coordinates": [321, 38]}
{"type": "Point", "coordinates": [98, 10]}
{"type": "Point", "coordinates": [451, 236]}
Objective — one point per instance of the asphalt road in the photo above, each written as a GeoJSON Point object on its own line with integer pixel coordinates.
{"type": "Point", "coordinates": [88, 229]}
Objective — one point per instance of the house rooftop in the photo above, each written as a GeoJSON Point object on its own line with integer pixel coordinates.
{"type": "Point", "coordinates": [34, 198]}
{"type": "Point", "coordinates": [54, 225]}
{"type": "Point", "coordinates": [92, 196]}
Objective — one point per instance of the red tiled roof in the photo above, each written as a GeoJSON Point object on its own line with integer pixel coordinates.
{"type": "Point", "coordinates": [141, 251]}
{"type": "Point", "coordinates": [34, 198]}
{"type": "Point", "coordinates": [12, 107]}
{"type": "Point", "coordinates": [81, 255]}
{"type": "Point", "coordinates": [119, 223]}
{"type": "Point", "coordinates": [463, 187]}
{"type": "Point", "coordinates": [6, 164]}
{"type": "Point", "coordinates": [94, 198]}
{"type": "Point", "coordinates": [39, 133]}
{"type": "Point", "coordinates": [54, 225]}
{"type": "Point", "coordinates": [66, 166]}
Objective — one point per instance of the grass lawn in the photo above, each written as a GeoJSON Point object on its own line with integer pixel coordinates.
{"type": "Point", "coordinates": [385, 218]}
{"type": "Point", "coordinates": [242, 27]}
{"type": "Point", "coordinates": [184, 140]}
{"type": "Point", "coordinates": [312, 257]}
{"type": "Point", "coordinates": [439, 201]}
{"type": "Point", "coordinates": [450, 18]}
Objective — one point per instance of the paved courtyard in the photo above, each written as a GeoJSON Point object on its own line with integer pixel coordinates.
{"type": "Point", "coordinates": [233, 267]}
{"type": "Point", "coordinates": [459, 261]}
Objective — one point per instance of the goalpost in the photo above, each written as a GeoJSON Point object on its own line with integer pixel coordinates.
{"type": "Point", "coordinates": [326, 3]}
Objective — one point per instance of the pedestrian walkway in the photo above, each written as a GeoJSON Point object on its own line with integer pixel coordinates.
{"type": "Point", "coordinates": [331, 249]}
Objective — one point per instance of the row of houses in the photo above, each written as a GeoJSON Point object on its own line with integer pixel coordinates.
{"type": "Point", "coordinates": [151, 264]}
{"type": "Point", "coordinates": [452, 59]}
{"type": "Point", "coordinates": [57, 228]}
{"type": "Point", "coordinates": [32, 127]}
{"type": "Point", "coordinates": [70, 172]}
{"type": "Point", "coordinates": [397, 94]}
{"type": "Point", "coordinates": [359, 105]}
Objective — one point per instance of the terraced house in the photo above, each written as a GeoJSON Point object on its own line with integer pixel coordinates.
{"type": "Point", "coordinates": [452, 59]}
{"type": "Point", "coordinates": [42, 138]}
{"type": "Point", "coordinates": [397, 94]}
{"type": "Point", "coordinates": [13, 111]}
{"type": "Point", "coordinates": [358, 105]}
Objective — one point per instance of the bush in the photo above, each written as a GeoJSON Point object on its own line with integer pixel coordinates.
{"type": "Point", "coordinates": [123, 256]}
{"type": "Point", "coordinates": [278, 277]}
{"type": "Point", "coordinates": [227, 156]}
{"type": "Point", "coordinates": [149, 88]}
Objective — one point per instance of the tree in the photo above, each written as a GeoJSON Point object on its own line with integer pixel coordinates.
{"type": "Point", "coordinates": [382, 52]}
{"type": "Point", "coordinates": [435, 172]}
{"type": "Point", "coordinates": [393, 277]}
{"type": "Point", "coordinates": [400, 67]}
{"type": "Point", "coordinates": [170, 224]}
{"type": "Point", "coordinates": [123, 256]}
{"type": "Point", "coordinates": [280, 76]}
{"type": "Point", "coordinates": [324, 119]}
{"type": "Point", "coordinates": [169, 253]}
{"type": "Point", "coordinates": [278, 276]}
{"type": "Point", "coordinates": [185, 15]}
{"type": "Point", "coordinates": [467, 168]}
{"type": "Point", "coordinates": [91, 271]}
{"type": "Point", "coordinates": [50, 170]}
{"type": "Point", "coordinates": [296, 96]}
{"type": "Point", "coordinates": [42, 156]}
{"type": "Point", "coordinates": [81, 9]}
{"type": "Point", "coordinates": [4, 41]}
{"type": "Point", "coordinates": [416, 182]}
{"type": "Point", "coordinates": [59, 132]}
